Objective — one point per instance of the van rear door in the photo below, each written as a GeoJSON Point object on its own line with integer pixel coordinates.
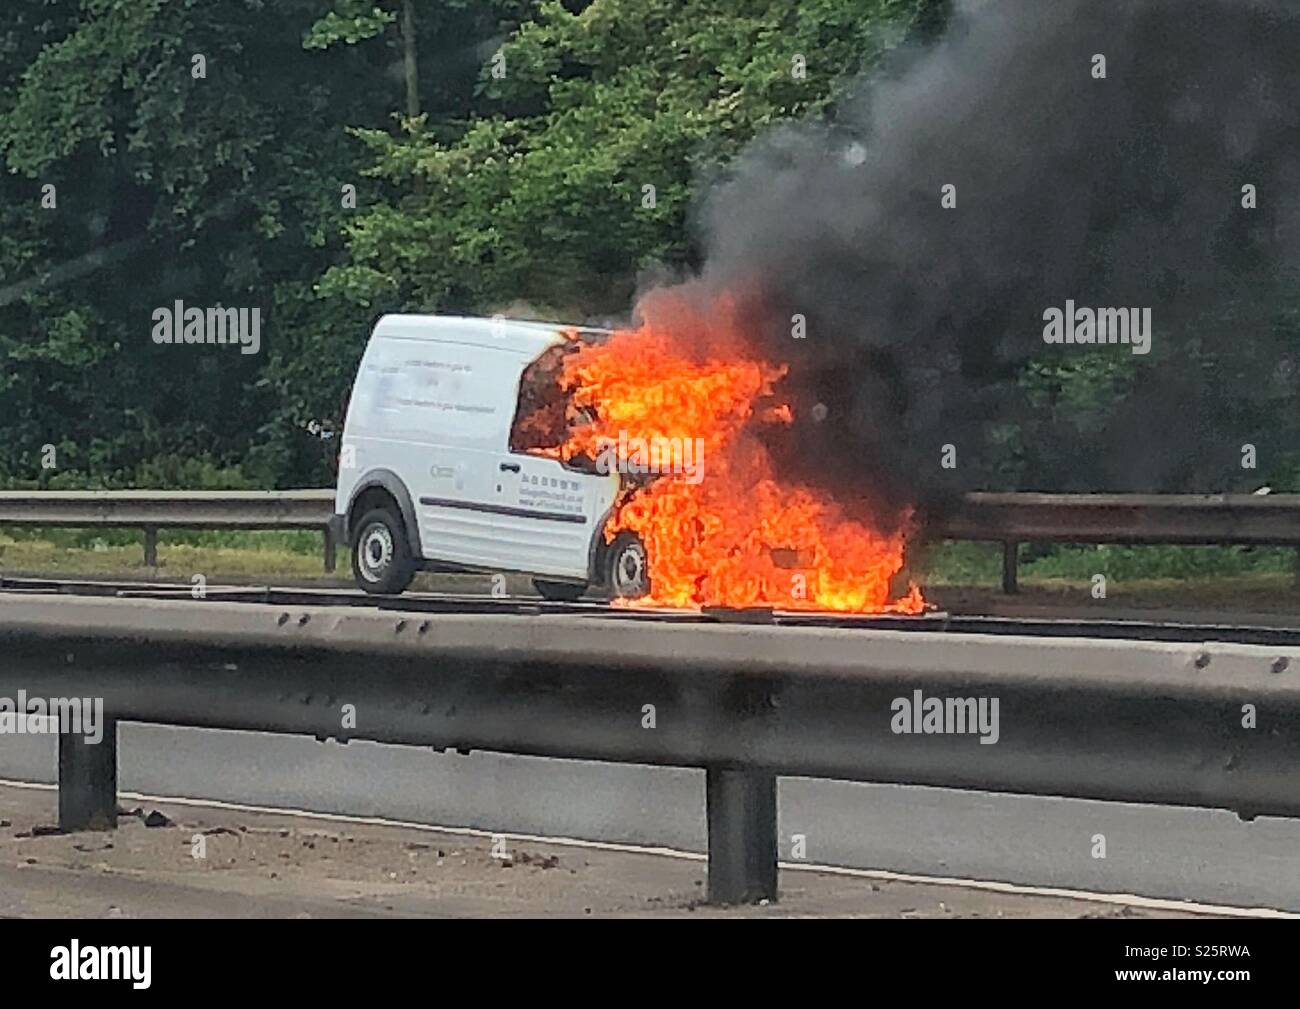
{"type": "Point", "coordinates": [440, 408]}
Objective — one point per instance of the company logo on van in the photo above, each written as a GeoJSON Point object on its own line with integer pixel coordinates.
{"type": "Point", "coordinates": [681, 456]}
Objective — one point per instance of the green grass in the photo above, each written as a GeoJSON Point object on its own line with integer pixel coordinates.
{"type": "Point", "coordinates": [954, 563]}
{"type": "Point", "coordinates": [967, 577]}
{"type": "Point", "coordinates": [181, 553]}
{"type": "Point", "coordinates": [301, 541]}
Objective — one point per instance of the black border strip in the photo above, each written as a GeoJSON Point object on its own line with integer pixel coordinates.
{"type": "Point", "coordinates": [523, 513]}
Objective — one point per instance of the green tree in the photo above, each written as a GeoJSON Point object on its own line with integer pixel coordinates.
{"type": "Point", "coordinates": [605, 121]}
{"type": "Point", "coordinates": [196, 151]}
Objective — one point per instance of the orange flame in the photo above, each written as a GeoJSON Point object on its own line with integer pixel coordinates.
{"type": "Point", "coordinates": [740, 536]}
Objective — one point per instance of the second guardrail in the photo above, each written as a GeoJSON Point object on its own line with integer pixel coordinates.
{"type": "Point", "coordinates": [1010, 519]}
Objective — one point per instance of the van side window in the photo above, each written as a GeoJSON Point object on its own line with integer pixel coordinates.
{"type": "Point", "coordinates": [544, 416]}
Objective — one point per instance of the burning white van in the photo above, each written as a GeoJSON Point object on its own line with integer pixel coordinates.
{"type": "Point", "coordinates": [434, 473]}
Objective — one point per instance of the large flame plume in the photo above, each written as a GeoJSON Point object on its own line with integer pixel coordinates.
{"type": "Point", "coordinates": [733, 534]}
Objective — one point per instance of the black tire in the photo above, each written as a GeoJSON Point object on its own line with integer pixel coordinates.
{"type": "Point", "coordinates": [381, 555]}
{"type": "Point", "coordinates": [559, 592]}
{"type": "Point", "coordinates": [627, 568]}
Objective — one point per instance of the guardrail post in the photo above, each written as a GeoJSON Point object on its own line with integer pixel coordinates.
{"type": "Point", "coordinates": [741, 807]}
{"type": "Point", "coordinates": [331, 560]}
{"type": "Point", "coordinates": [88, 780]}
{"type": "Point", "coordinates": [150, 547]}
{"type": "Point", "coordinates": [1010, 571]}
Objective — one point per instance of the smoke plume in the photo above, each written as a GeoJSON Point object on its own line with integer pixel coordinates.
{"type": "Point", "coordinates": [924, 324]}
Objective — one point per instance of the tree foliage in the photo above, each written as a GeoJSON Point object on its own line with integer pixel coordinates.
{"type": "Point", "coordinates": [559, 154]}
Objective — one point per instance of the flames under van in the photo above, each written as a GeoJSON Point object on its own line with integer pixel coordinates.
{"type": "Point", "coordinates": [437, 472]}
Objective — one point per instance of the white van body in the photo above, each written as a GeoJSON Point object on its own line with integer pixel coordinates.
{"type": "Point", "coordinates": [429, 422]}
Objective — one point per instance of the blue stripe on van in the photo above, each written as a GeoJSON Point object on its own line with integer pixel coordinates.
{"type": "Point", "coordinates": [523, 513]}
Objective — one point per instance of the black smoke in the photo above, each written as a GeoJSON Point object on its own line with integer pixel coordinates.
{"type": "Point", "coordinates": [923, 323]}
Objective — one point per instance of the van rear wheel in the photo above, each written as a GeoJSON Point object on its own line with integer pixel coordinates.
{"type": "Point", "coordinates": [559, 592]}
{"type": "Point", "coordinates": [627, 567]}
{"type": "Point", "coordinates": [381, 556]}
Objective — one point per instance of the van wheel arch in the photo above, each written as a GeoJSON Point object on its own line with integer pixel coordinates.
{"type": "Point", "coordinates": [383, 489]}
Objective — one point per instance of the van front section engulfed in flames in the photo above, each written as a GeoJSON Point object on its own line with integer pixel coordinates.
{"type": "Point", "coordinates": [680, 408]}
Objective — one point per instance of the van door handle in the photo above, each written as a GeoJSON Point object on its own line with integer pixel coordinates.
{"type": "Point", "coordinates": [510, 467]}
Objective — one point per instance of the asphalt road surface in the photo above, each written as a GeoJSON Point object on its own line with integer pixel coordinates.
{"type": "Point", "coordinates": [203, 861]}
{"type": "Point", "coordinates": [1186, 854]}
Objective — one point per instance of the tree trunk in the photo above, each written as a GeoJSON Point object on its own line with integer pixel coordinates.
{"type": "Point", "coordinates": [408, 59]}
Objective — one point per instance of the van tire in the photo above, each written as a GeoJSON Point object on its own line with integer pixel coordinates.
{"type": "Point", "coordinates": [559, 592]}
{"type": "Point", "coordinates": [627, 568]}
{"type": "Point", "coordinates": [381, 556]}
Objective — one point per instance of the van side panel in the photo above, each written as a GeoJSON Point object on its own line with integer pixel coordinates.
{"type": "Point", "coordinates": [425, 392]}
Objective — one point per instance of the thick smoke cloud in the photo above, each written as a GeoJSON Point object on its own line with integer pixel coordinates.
{"type": "Point", "coordinates": [1117, 192]}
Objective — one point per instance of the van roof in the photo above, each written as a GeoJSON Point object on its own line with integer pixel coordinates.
{"type": "Point", "coordinates": [529, 337]}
